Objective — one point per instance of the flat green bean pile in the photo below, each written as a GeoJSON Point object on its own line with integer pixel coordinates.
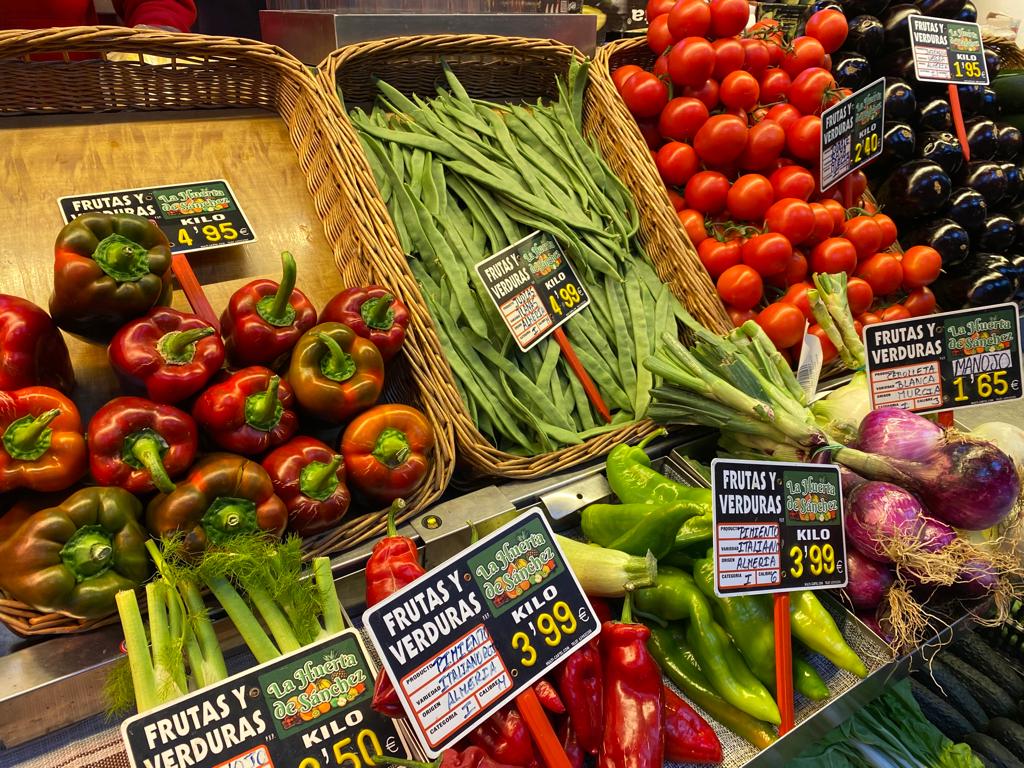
{"type": "Point", "coordinates": [465, 178]}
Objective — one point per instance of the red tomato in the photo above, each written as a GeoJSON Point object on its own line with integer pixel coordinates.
{"type": "Point", "coordinates": [740, 286]}
{"type": "Point", "coordinates": [721, 140]}
{"type": "Point", "coordinates": [689, 18]}
{"type": "Point", "coordinates": [791, 217]}
{"type": "Point", "coordinates": [859, 295]}
{"type": "Point", "coordinates": [682, 117]}
{"type": "Point", "coordinates": [895, 312]}
{"type": "Point", "coordinates": [829, 28]}
{"type": "Point", "coordinates": [749, 197]}
{"type": "Point", "coordinates": [769, 30]}
{"type": "Point", "coordinates": [729, 17]}
{"type": "Point", "coordinates": [755, 55]}
{"type": "Point", "coordinates": [823, 223]}
{"type": "Point", "coordinates": [803, 138]}
{"type": "Point", "coordinates": [693, 223]}
{"type": "Point", "coordinates": [660, 67]}
{"type": "Point", "coordinates": [864, 233]}
{"type": "Point", "coordinates": [920, 302]}
{"type": "Point", "coordinates": [768, 254]}
{"type": "Point", "coordinates": [883, 273]}
{"type": "Point", "coordinates": [623, 73]}
{"type": "Point", "coordinates": [691, 61]}
{"type": "Point", "coordinates": [775, 85]}
{"type": "Point", "coordinates": [784, 114]}
{"type": "Point", "coordinates": [676, 162]}
{"type": "Point", "coordinates": [834, 254]}
{"type": "Point", "coordinates": [740, 316]}
{"type": "Point", "coordinates": [869, 318]}
{"type": "Point", "coordinates": [656, 8]}
{"type": "Point", "coordinates": [707, 93]}
{"type": "Point", "coordinates": [806, 52]}
{"type": "Point", "coordinates": [782, 323]}
{"type": "Point", "coordinates": [921, 266]}
{"type": "Point", "coordinates": [796, 295]}
{"type": "Point", "coordinates": [792, 181]}
{"type": "Point", "coordinates": [729, 56]}
{"type": "Point", "coordinates": [828, 349]}
{"type": "Point", "coordinates": [645, 95]}
{"type": "Point", "coordinates": [659, 38]}
{"type": "Point", "coordinates": [795, 271]}
{"type": "Point", "coordinates": [739, 90]}
{"type": "Point", "coordinates": [706, 192]}
{"type": "Point", "coordinates": [888, 227]}
{"type": "Point", "coordinates": [765, 142]}
{"type": "Point", "coordinates": [718, 256]}
{"type": "Point", "coordinates": [811, 90]}
{"type": "Point", "coordinates": [838, 214]}
{"type": "Point", "coordinates": [677, 200]}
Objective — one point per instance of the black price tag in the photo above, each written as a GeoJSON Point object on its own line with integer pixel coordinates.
{"type": "Point", "coordinates": [193, 216]}
{"type": "Point", "coordinates": [309, 709]}
{"type": "Point", "coordinates": [952, 360]}
{"type": "Point", "coordinates": [534, 287]}
{"type": "Point", "coordinates": [788, 15]}
{"type": "Point", "coordinates": [778, 527]}
{"type": "Point", "coordinates": [947, 51]}
{"type": "Point", "coordinates": [472, 633]}
{"type": "Point", "coordinates": [851, 132]}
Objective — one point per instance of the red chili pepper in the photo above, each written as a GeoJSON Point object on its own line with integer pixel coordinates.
{"type": "Point", "coordinates": [264, 319]}
{"type": "Point", "coordinates": [310, 479]}
{"type": "Point", "coordinates": [41, 442]}
{"type": "Point", "coordinates": [140, 445]}
{"type": "Point", "coordinates": [579, 681]}
{"type": "Point", "coordinates": [688, 737]}
{"type": "Point", "coordinates": [548, 697]}
{"type": "Point", "coordinates": [374, 313]}
{"type": "Point", "coordinates": [167, 354]}
{"type": "Point", "coordinates": [505, 738]}
{"type": "Point", "coordinates": [249, 412]}
{"type": "Point", "coordinates": [634, 733]}
{"type": "Point", "coordinates": [32, 351]}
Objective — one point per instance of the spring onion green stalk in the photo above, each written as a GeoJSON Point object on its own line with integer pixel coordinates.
{"type": "Point", "coordinates": [832, 311]}
{"type": "Point", "coordinates": [140, 662]}
{"type": "Point", "coordinates": [607, 572]}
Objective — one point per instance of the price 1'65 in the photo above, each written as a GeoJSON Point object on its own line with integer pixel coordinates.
{"type": "Point", "coordinates": [552, 627]}
{"type": "Point", "coordinates": [984, 384]}
{"type": "Point", "coordinates": [819, 560]}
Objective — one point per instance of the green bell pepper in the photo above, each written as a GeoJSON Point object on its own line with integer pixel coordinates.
{"type": "Point", "coordinates": [634, 481]}
{"type": "Point", "coordinates": [636, 528]}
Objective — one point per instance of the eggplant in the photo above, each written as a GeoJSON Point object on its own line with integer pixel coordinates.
{"type": "Point", "coordinates": [917, 187]}
{"type": "Point", "coordinates": [865, 36]}
{"type": "Point", "coordinates": [1008, 141]}
{"type": "Point", "coordinates": [900, 101]}
{"type": "Point", "coordinates": [947, 9]}
{"type": "Point", "coordinates": [989, 103]}
{"type": "Point", "coordinates": [971, 97]}
{"type": "Point", "coordinates": [986, 177]}
{"type": "Point", "coordinates": [897, 28]}
{"type": "Point", "coordinates": [942, 148]}
{"type": "Point", "coordinates": [864, 7]}
{"type": "Point", "coordinates": [967, 207]}
{"type": "Point", "coordinates": [1014, 183]}
{"type": "Point", "coordinates": [898, 143]}
{"type": "Point", "coordinates": [981, 138]}
{"type": "Point", "coordinates": [899, 64]}
{"type": "Point", "coordinates": [992, 61]}
{"type": "Point", "coordinates": [945, 236]}
{"type": "Point", "coordinates": [934, 115]}
{"type": "Point", "coordinates": [851, 70]}
{"type": "Point", "coordinates": [983, 284]}
{"type": "Point", "coordinates": [1017, 214]}
{"type": "Point", "coordinates": [968, 13]}
{"type": "Point", "coordinates": [997, 234]}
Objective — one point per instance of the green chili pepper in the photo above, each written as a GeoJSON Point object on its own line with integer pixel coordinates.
{"type": "Point", "coordinates": [814, 626]}
{"type": "Point", "coordinates": [636, 528]}
{"type": "Point", "coordinates": [696, 530]}
{"type": "Point", "coordinates": [633, 481]}
{"type": "Point", "coordinates": [669, 648]}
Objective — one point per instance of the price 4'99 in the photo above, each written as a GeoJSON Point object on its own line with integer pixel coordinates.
{"type": "Point", "coordinates": [817, 559]}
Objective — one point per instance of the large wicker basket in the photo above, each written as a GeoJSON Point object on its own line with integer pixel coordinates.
{"type": "Point", "coordinates": [70, 70]}
{"type": "Point", "coordinates": [510, 69]}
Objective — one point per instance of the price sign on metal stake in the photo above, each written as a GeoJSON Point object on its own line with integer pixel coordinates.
{"type": "Point", "coordinates": [851, 132]}
{"type": "Point", "coordinates": [947, 51]}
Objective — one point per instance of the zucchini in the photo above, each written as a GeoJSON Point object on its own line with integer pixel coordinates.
{"type": "Point", "coordinates": [943, 683]}
{"type": "Point", "coordinates": [994, 700]}
{"type": "Point", "coordinates": [992, 750]}
{"type": "Point", "coordinates": [1009, 733]}
{"type": "Point", "coordinates": [1009, 88]}
{"type": "Point", "coordinates": [940, 714]}
{"type": "Point", "coordinates": [972, 648]}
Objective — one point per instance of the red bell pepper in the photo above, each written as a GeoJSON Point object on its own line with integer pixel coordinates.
{"type": "Point", "coordinates": [249, 412]}
{"type": "Point", "coordinates": [688, 737]}
{"type": "Point", "coordinates": [634, 698]}
{"type": "Point", "coordinates": [32, 351]}
{"type": "Point", "coordinates": [387, 451]}
{"type": "Point", "coordinates": [264, 319]}
{"type": "Point", "coordinates": [41, 442]}
{"type": "Point", "coordinates": [374, 313]}
{"type": "Point", "coordinates": [167, 354]}
{"type": "Point", "coordinates": [579, 682]}
{"type": "Point", "coordinates": [140, 445]}
{"type": "Point", "coordinates": [310, 479]}
{"type": "Point", "coordinates": [505, 738]}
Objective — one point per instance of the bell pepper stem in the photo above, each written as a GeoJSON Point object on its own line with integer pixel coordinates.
{"type": "Point", "coordinates": [337, 364]}
{"type": "Point", "coordinates": [392, 448]}
{"type": "Point", "coordinates": [277, 309]}
{"type": "Point", "coordinates": [328, 593]}
{"type": "Point", "coordinates": [642, 445]}
{"type": "Point", "coordinates": [318, 479]}
{"type": "Point", "coordinates": [88, 552]}
{"type": "Point", "coordinates": [146, 451]}
{"type": "Point", "coordinates": [263, 409]}
{"type": "Point", "coordinates": [377, 312]}
{"type": "Point", "coordinates": [229, 516]}
{"type": "Point", "coordinates": [179, 347]}
{"type": "Point", "coordinates": [120, 258]}
{"type": "Point", "coordinates": [28, 438]}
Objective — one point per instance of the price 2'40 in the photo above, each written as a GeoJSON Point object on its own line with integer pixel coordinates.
{"type": "Point", "coordinates": [866, 148]}
{"type": "Point", "coordinates": [819, 560]}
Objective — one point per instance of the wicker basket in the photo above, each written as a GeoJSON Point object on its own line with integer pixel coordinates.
{"type": "Point", "coordinates": [78, 76]}
{"type": "Point", "coordinates": [510, 69]}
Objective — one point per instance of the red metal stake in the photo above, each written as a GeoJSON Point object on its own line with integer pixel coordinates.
{"type": "Point", "coordinates": [945, 419]}
{"type": "Point", "coordinates": [581, 373]}
{"type": "Point", "coordinates": [540, 728]}
{"type": "Point", "coordinates": [783, 663]}
{"type": "Point", "coordinates": [958, 121]}
{"type": "Point", "coordinates": [193, 290]}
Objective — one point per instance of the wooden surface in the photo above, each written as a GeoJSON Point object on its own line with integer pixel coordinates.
{"type": "Point", "coordinates": [48, 157]}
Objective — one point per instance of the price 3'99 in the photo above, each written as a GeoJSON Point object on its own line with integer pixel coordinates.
{"type": "Point", "coordinates": [550, 627]}
{"type": "Point", "coordinates": [817, 560]}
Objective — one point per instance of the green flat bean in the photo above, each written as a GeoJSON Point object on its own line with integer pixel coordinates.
{"type": "Point", "coordinates": [624, 350]}
{"type": "Point", "coordinates": [583, 406]}
{"type": "Point", "coordinates": [641, 341]}
{"type": "Point", "coordinates": [613, 394]}
{"type": "Point", "coordinates": [529, 388]}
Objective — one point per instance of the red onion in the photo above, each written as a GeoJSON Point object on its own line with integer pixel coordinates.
{"type": "Point", "coordinates": [899, 434]}
{"type": "Point", "coordinates": [877, 513]}
{"type": "Point", "coordinates": [869, 580]}
{"type": "Point", "coordinates": [977, 579]}
{"type": "Point", "coordinates": [936, 535]}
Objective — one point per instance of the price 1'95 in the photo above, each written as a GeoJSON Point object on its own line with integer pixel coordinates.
{"type": "Point", "coordinates": [970, 69]}
{"type": "Point", "coordinates": [816, 559]}
{"type": "Point", "coordinates": [984, 385]}
{"type": "Point", "coordinates": [551, 627]}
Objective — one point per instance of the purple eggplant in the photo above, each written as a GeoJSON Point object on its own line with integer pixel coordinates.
{"type": "Point", "coordinates": [981, 138]}
{"type": "Point", "coordinates": [991, 57]}
{"type": "Point", "coordinates": [898, 143]}
{"type": "Point", "coordinates": [1017, 214]}
{"type": "Point", "coordinates": [968, 13]}
{"type": "Point", "coordinates": [866, 35]}
{"type": "Point", "coordinates": [942, 148]}
{"type": "Point", "coordinates": [947, 9]}
{"type": "Point", "coordinates": [945, 236]}
{"type": "Point", "coordinates": [895, 22]}
{"type": "Point", "coordinates": [851, 70]}
{"type": "Point", "coordinates": [989, 104]}
{"type": "Point", "coordinates": [997, 234]}
{"type": "Point", "coordinates": [1014, 183]}
{"type": "Point", "coordinates": [864, 7]}
{"type": "Point", "coordinates": [934, 115]}
{"type": "Point", "coordinates": [967, 207]}
{"type": "Point", "coordinates": [900, 101]}
{"type": "Point", "coordinates": [986, 177]}
{"type": "Point", "coordinates": [971, 98]}
{"type": "Point", "coordinates": [1008, 141]}
{"type": "Point", "coordinates": [917, 187]}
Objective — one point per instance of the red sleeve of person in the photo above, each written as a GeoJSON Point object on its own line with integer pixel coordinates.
{"type": "Point", "coordinates": [173, 14]}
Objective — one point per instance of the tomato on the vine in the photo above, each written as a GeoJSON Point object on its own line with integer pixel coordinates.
{"type": "Point", "coordinates": [721, 140]}
{"type": "Point", "coordinates": [677, 162]}
{"type": "Point", "coordinates": [920, 302]}
{"type": "Point", "coordinates": [755, 55]}
{"type": "Point", "coordinates": [659, 38]}
{"type": "Point", "coordinates": [834, 254]}
{"type": "Point", "coordinates": [768, 29]}
{"type": "Point", "coordinates": [768, 253]}
{"type": "Point", "coordinates": [888, 227]}
{"type": "Point", "coordinates": [796, 295]}
{"type": "Point", "coordinates": [860, 295]}
{"type": "Point", "coordinates": [660, 67]}
{"type": "Point", "coordinates": [689, 18]}
{"type": "Point", "coordinates": [883, 273]}
{"type": "Point", "coordinates": [749, 197]}
{"type": "Point", "coordinates": [774, 85]}
{"type": "Point", "coordinates": [765, 142]}
{"type": "Point", "coordinates": [645, 94]}
{"type": "Point", "coordinates": [921, 266]}
{"type": "Point", "coordinates": [623, 73]}
{"type": "Point", "coordinates": [783, 114]}
{"type": "Point", "coordinates": [869, 318]}
{"type": "Point", "coordinates": [895, 312]}
{"type": "Point", "coordinates": [838, 213]}
{"type": "Point", "coordinates": [792, 181]}
{"type": "Point", "coordinates": [864, 233]}
{"type": "Point", "coordinates": [706, 191]}
{"type": "Point", "coordinates": [828, 27]}
{"type": "Point", "coordinates": [740, 316]}
{"type": "Point", "coordinates": [682, 117]}
{"type": "Point", "coordinates": [691, 61]}
{"type": "Point", "coordinates": [739, 90]}
{"type": "Point", "coordinates": [677, 200]}
{"type": "Point", "coordinates": [706, 93]}
{"type": "Point", "coordinates": [803, 138]}
{"type": "Point", "coordinates": [782, 323]}
{"type": "Point", "coordinates": [812, 90]}
{"type": "Point", "coordinates": [791, 217]}
{"type": "Point", "coordinates": [828, 349]}
{"type": "Point", "coordinates": [806, 52]}
{"type": "Point", "coordinates": [729, 56]}
{"type": "Point", "coordinates": [740, 286]}
{"type": "Point", "coordinates": [823, 223]}
{"type": "Point", "coordinates": [728, 17]}
{"type": "Point", "coordinates": [693, 223]}
{"type": "Point", "coordinates": [656, 8]}
{"type": "Point", "coordinates": [795, 271]}
{"type": "Point", "coordinates": [717, 256]}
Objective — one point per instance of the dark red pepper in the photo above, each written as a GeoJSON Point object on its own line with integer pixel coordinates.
{"type": "Point", "coordinates": [548, 697]}
{"type": "Point", "coordinates": [570, 745]}
{"type": "Point", "coordinates": [264, 319]}
{"type": "Point", "coordinates": [688, 737]}
{"type": "Point", "coordinates": [140, 445]}
{"type": "Point", "coordinates": [580, 683]}
{"type": "Point", "coordinates": [634, 698]}
{"type": "Point", "coordinates": [249, 412]}
{"type": "Point", "coordinates": [167, 354]}
{"type": "Point", "coordinates": [310, 479]}
{"type": "Point", "coordinates": [374, 313]}
{"type": "Point", "coordinates": [505, 738]}
{"type": "Point", "coordinates": [32, 351]}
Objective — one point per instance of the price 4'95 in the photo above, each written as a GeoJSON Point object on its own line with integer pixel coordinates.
{"type": "Point", "coordinates": [984, 385]}
{"type": "Point", "coordinates": [552, 627]}
{"type": "Point", "coordinates": [819, 560]}
{"type": "Point", "coordinates": [213, 233]}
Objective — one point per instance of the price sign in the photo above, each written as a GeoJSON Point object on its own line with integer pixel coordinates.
{"type": "Point", "coordinates": [952, 360]}
{"type": "Point", "coordinates": [193, 216]}
{"type": "Point", "coordinates": [534, 287]}
{"type": "Point", "coordinates": [468, 636]}
{"type": "Point", "coordinates": [309, 709]}
{"type": "Point", "coordinates": [778, 527]}
{"type": "Point", "coordinates": [851, 132]}
{"type": "Point", "coordinates": [947, 51]}
{"type": "Point", "coordinates": [788, 15]}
